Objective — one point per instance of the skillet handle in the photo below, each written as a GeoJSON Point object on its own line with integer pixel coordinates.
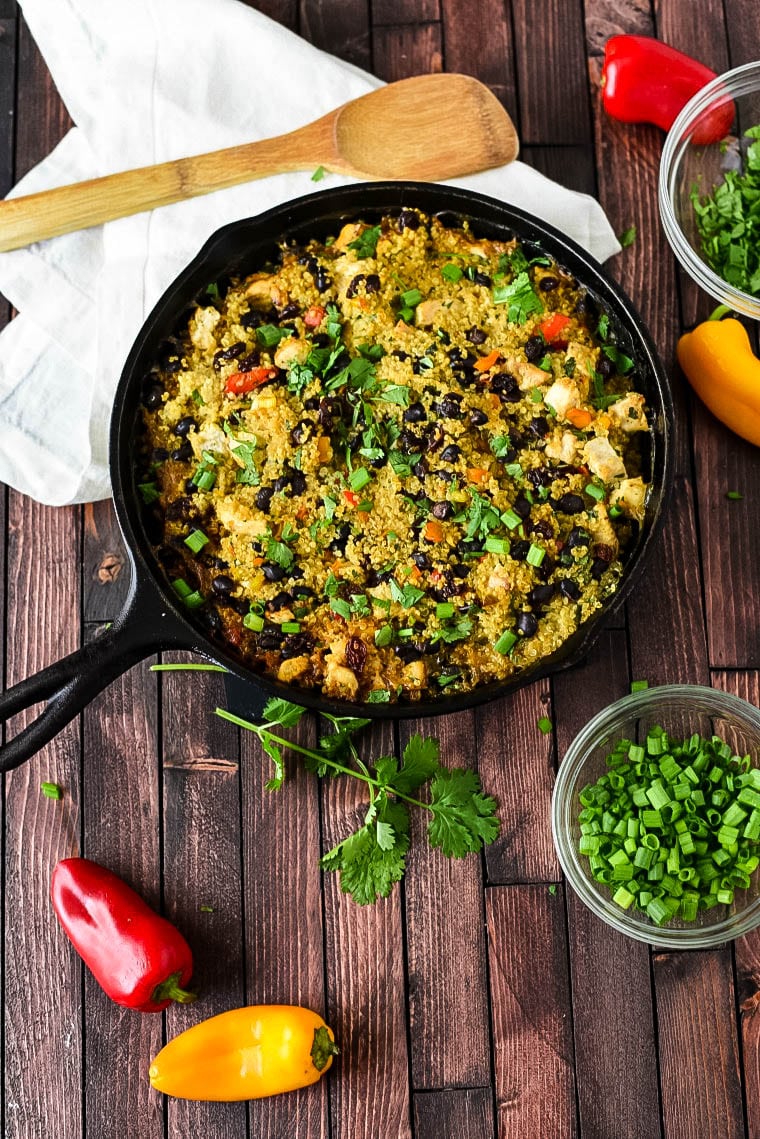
{"type": "Point", "coordinates": [71, 683]}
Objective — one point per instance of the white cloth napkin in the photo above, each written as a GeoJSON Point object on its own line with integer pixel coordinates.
{"type": "Point", "coordinates": [147, 81]}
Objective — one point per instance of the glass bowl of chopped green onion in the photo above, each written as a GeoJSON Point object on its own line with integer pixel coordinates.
{"type": "Point", "coordinates": [709, 188]}
{"type": "Point", "coordinates": [656, 816]}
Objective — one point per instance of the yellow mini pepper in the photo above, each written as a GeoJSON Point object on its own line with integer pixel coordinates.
{"type": "Point", "coordinates": [718, 361]}
{"type": "Point", "coordinates": [246, 1053]}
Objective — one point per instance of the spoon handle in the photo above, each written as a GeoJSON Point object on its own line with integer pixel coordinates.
{"type": "Point", "coordinates": [36, 217]}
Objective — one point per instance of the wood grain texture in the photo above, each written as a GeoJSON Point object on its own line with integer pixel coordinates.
{"type": "Point", "coordinates": [743, 32]}
{"type": "Point", "coordinates": [465, 1114]}
{"type": "Point", "coordinates": [202, 871]}
{"type": "Point", "coordinates": [8, 28]}
{"type": "Point", "coordinates": [608, 1055]}
{"type": "Point", "coordinates": [448, 1008]}
{"type": "Point", "coordinates": [516, 764]}
{"type": "Point", "coordinates": [404, 50]}
{"type": "Point", "coordinates": [120, 772]}
{"type": "Point", "coordinates": [107, 572]}
{"type": "Point", "coordinates": [699, 1063]}
{"type": "Point", "coordinates": [571, 166]}
{"type": "Point", "coordinates": [42, 119]}
{"type": "Point", "coordinates": [283, 916]}
{"type": "Point", "coordinates": [285, 12]}
{"type": "Point", "coordinates": [404, 12]}
{"type": "Point", "coordinates": [478, 41]}
{"type": "Point", "coordinates": [554, 103]}
{"type": "Point", "coordinates": [43, 1040]}
{"type": "Point", "coordinates": [340, 27]}
{"type": "Point", "coordinates": [364, 961]}
{"type": "Point", "coordinates": [533, 1047]}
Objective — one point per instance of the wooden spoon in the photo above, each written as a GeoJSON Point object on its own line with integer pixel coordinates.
{"type": "Point", "coordinates": [429, 128]}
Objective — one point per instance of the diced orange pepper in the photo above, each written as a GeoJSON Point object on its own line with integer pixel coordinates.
{"type": "Point", "coordinates": [552, 326]}
{"type": "Point", "coordinates": [493, 399]}
{"type": "Point", "coordinates": [486, 362]}
{"type": "Point", "coordinates": [414, 573]}
{"type": "Point", "coordinates": [578, 416]}
{"type": "Point", "coordinates": [351, 497]}
{"type": "Point", "coordinates": [477, 474]}
{"type": "Point", "coordinates": [241, 382]}
{"type": "Point", "coordinates": [435, 575]}
{"type": "Point", "coordinates": [314, 316]}
{"type": "Point", "coordinates": [433, 531]}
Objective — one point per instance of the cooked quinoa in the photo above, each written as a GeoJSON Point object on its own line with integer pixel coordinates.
{"type": "Point", "coordinates": [399, 463]}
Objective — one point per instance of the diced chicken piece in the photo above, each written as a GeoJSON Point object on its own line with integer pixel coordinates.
{"type": "Point", "coordinates": [339, 681]}
{"type": "Point", "coordinates": [343, 271]}
{"type": "Point", "coordinates": [497, 586]}
{"type": "Point", "coordinates": [349, 233]}
{"type": "Point", "coordinates": [236, 517]}
{"type": "Point", "coordinates": [266, 287]}
{"type": "Point", "coordinates": [427, 312]}
{"type": "Point", "coordinates": [476, 249]}
{"type": "Point", "coordinates": [562, 395]}
{"type": "Point", "coordinates": [631, 497]}
{"type": "Point", "coordinates": [603, 459]}
{"type": "Point", "coordinates": [528, 375]}
{"type": "Point", "coordinates": [628, 413]}
{"type": "Point", "coordinates": [600, 527]}
{"type": "Point", "coordinates": [236, 445]}
{"type": "Point", "coordinates": [584, 358]}
{"type": "Point", "coordinates": [562, 448]}
{"type": "Point", "coordinates": [211, 437]}
{"type": "Point", "coordinates": [202, 327]}
{"type": "Point", "coordinates": [415, 674]}
{"type": "Point", "coordinates": [293, 669]}
{"type": "Point", "coordinates": [281, 616]}
{"type": "Point", "coordinates": [291, 351]}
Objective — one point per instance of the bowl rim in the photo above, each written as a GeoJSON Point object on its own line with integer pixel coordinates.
{"type": "Point", "coordinates": [640, 929]}
{"type": "Point", "coordinates": [738, 81]}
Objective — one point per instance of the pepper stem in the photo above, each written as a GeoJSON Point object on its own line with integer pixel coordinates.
{"type": "Point", "coordinates": [323, 1048]}
{"type": "Point", "coordinates": [171, 990]}
{"type": "Point", "coordinates": [720, 312]}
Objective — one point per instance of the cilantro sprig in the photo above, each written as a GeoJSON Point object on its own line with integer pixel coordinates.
{"type": "Point", "coordinates": [373, 858]}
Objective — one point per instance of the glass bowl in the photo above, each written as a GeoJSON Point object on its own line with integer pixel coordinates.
{"type": "Point", "coordinates": [681, 710]}
{"type": "Point", "coordinates": [688, 161]}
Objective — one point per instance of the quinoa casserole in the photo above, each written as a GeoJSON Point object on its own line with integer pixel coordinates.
{"type": "Point", "coordinates": [396, 463]}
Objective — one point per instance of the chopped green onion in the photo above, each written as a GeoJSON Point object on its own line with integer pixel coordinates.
{"type": "Point", "coordinates": [270, 334]}
{"type": "Point", "coordinates": [535, 555]}
{"type": "Point", "coordinates": [594, 491]}
{"type": "Point", "coordinates": [511, 519]}
{"type": "Point", "coordinates": [318, 174]}
{"type": "Point", "coordinates": [196, 540]}
{"type": "Point", "coordinates": [639, 685]}
{"type": "Point", "coordinates": [411, 298]}
{"type": "Point", "coordinates": [290, 627]}
{"type": "Point", "coordinates": [181, 588]}
{"type": "Point", "coordinates": [194, 600]}
{"type": "Point", "coordinates": [506, 642]}
{"type": "Point", "coordinates": [444, 609]}
{"type": "Point", "coordinates": [51, 790]}
{"type": "Point", "coordinates": [451, 272]}
{"type": "Point", "coordinates": [253, 621]}
{"type": "Point", "coordinates": [406, 314]}
{"type": "Point", "coordinates": [496, 545]}
{"type": "Point", "coordinates": [734, 495]}
{"type": "Point", "coordinates": [545, 725]}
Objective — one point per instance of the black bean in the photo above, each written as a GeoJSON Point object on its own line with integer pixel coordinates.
{"type": "Point", "coordinates": [577, 537]}
{"type": "Point", "coordinates": [226, 354]}
{"type": "Point", "coordinates": [414, 413]}
{"type": "Point", "coordinates": [506, 387]}
{"type": "Point", "coordinates": [153, 397]}
{"type": "Point", "coordinates": [249, 362]}
{"type": "Point", "coordinates": [421, 560]}
{"type": "Point", "coordinates": [442, 511]}
{"type": "Point", "coordinates": [159, 455]}
{"type": "Point", "coordinates": [460, 570]}
{"type": "Point", "coordinates": [183, 454]}
{"type": "Point", "coordinates": [548, 284]}
{"type": "Point", "coordinates": [568, 588]}
{"type": "Point", "coordinates": [521, 506]}
{"type": "Point", "coordinates": [282, 600]}
{"type": "Point", "coordinates": [264, 498]}
{"type": "Point", "coordinates": [190, 487]}
{"type": "Point", "coordinates": [519, 550]}
{"type": "Point", "coordinates": [420, 469]}
{"type": "Point", "coordinates": [482, 279]}
{"type": "Point", "coordinates": [400, 354]}
{"type": "Point", "coordinates": [534, 349]}
{"type": "Point", "coordinates": [302, 591]}
{"type": "Point", "coordinates": [338, 544]}
{"type": "Point", "coordinates": [448, 219]}
{"type": "Point", "coordinates": [569, 504]}
{"type": "Point", "coordinates": [270, 638]}
{"type": "Point", "coordinates": [408, 652]}
{"type": "Point", "coordinates": [543, 529]}
{"type": "Point", "coordinates": [444, 475]}
{"type": "Point", "coordinates": [296, 645]}
{"type": "Point", "coordinates": [223, 585]}
{"type": "Point", "coordinates": [408, 442]}
{"type": "Point", "coordinates": [526, 624]}
{"type": "Point", "coordinates": [372, 284]}
{"type": "Point", "coordinates": [472, 546]}
{"type": "Point", "coordinates": [541, 595]}
{"type": "Point", "coordinates": [179, 509]}
{"type": "Point", "coordinates": [212, 620]}
{"type": "Point", "coordinates": [321, 279]}
{"type": "Point", "coordinates": [408, 219]}
{"type": "Point", "coordinates": [545, 570]}
{"type": "Point", "coordinates": [330, 407]}
{"type": "Point", "coordinates": [604, 366]}
{"type": "Point", "coordinates": [252, 319]}
{"type": "Point", "coordinates": [478, 417]}
{"type": "Point", "coordinates": [539, 427]}
{"type": "Point", "coordinates": [312, 403]}
{"type": "Point", "coordinates": [308, 260]}
{"type": "Point", "coordinates": [281, 484]}
{"type": "Point", "coordinates": [240, 605]}
{"type": "Point", "coordinates": [587, 306]}
{"type": "Point", "coordinates": [184, 426]}
{"type": "Point", "coordinates": [355, 285]}
{"type": "Point", "coordinates": [598, 567]}
{"type": "Point", "coordinates": [450, 407]}
{"type": "Point", "coordinates": [298, 482]}
{"type": "Point", "coordinates": [540, 476]}
{"type": "Point", "coordinates": [273, 572]}
{"type": "Point", "coordinates": [301, 432]}
{"type": "Point", "coordinates": [433, 437]}
{"type": "Point", "coordinates": [475, 335]}
{"type": "Point", "coordinates": [461, 357]}
{"type": "Point", "coordinates": [173, 364]}
{"type": "Point", "coordinates": [288, 312]}
{"type": "Point", "coordinates": [451, 453]}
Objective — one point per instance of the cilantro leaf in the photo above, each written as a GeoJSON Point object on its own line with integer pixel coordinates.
{"type": "Point", "coordinates": [282, 712]}
{"type": "Point", "coordinates": [627, 237]}
{"type": "Point", "coordinates": [367, 868]}
{"type": "Point", "coordinates": [366, 243]}
{"type": "Point", "coordinates": [275, 754]}
{"type": "Point", "coordinates": [622, 362]}
{"type": "Point", "coordinates": [520, 296]}
{"type": "Point", "coordinates": [420, 763]}
{"type": "Point", "coordinates": [463, 818]}
{"type": "Point", "coordinates": [279, 553]}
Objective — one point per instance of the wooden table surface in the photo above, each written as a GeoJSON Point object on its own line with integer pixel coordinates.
{"type": "Point", "coordinates": [481, 998]}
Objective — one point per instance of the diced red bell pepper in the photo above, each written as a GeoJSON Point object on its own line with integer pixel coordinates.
{"type": "Point", "coordinates": [241, 382]}
{"type": "Point", "coordinates": [314, 316]}
{"type": "Point", "coordinates": [351, 497]}
{"type": "Point", "coordinates": [552, 326]}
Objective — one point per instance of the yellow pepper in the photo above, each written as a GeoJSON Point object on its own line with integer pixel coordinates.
{"type": "Point", "coordinates": [246, 1053]}
{"type": "Point", "coordinates": [718, 361]}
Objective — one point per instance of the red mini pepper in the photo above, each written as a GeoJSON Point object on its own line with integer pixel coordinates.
{"type": "Point", "coordinates": [239, 383]}
{"type": "Point", "coordinates": [137, 957]}
{"type": "Point", "coordinates": [647, 81]}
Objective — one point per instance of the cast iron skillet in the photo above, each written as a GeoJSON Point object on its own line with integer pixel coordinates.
{"type": "Point", "coordinates": [152, 618]}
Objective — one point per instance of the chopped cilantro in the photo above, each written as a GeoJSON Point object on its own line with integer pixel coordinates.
{"type": "Point", "coordinates": [569, 366]}
{"type": "Point", "coordinates": [520, 297]}
{"type": "Point", "coordinates": [451, 272]}
{"type": "Point", "coordinates": [366, 243]}
{"type": "Point", "coordinates": [627, 237]}
{"type": "Point", "coordinates": [318, 174]}
{"type": "Point", "coordinates": [622, 362]}
{"type": "Point", "coordinates": [270, 334]}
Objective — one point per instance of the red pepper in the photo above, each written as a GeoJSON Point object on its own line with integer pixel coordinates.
{"type": "Point", "coordinates": [552, 325]}
{"type": "Point", "coordinates": [314, 316]}
{"type": "Point", "coordinates": [137, 957]}
{"type": "Point", "coordinates": [351, 497]}
{"type": "Point", "coordinates": [241, 382]}
{"type": "Point", "coordinates": [647, 81]}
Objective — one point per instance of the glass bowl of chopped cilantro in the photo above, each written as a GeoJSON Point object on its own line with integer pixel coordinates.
{"type": "Point", "coordinates": [656, 816]}
{"type": "Point", "coordinates": [709, 189]}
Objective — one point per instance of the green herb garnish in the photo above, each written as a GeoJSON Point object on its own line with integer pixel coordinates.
{"type": "Point", "coordinates": [366, 244]}
{"type": "Point", "coordinates": [318, 174]}
{"type": "Point", "coordinates": [521, 298]}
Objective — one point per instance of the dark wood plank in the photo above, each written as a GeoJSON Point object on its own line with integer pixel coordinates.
{"type": "Point", "coordinates": [42, 119]}
{"type": "Point", "coordinates": [478, 41]}
{"type": "Point", "coordinates": [606, 18]}
{"type": "Point", "coordinates": [532, 1035]}
{"type": "Point", "coordinates": [571, 166]}
{"type": "Point", "coordinates": [107, 572]}
{"type": "Point", "coordinates": [699, 1063]}
{"type": "Point", "coordinates": [285, 12]}
{"type": "Point", "coordinates": [8, 28]}
{"type": "Point", "coordinates": [743, 31]}
{"type": "Point", "coordinates": [202, 871]}
{"type": "Point", "coordinates": [403, 50]}
{"type": "Point", "coordinates": [551, 73]}
{"type": "Point", "coordinates": [43, 1045]}
{"type": "Point", "coordinates": [405, 12]}
{"type": "Point", "coordinates": [448, 1009]}
{"type": "Point", "coordinates": [340, 27]}
{"type": "Point", "coordinates": [516, 764]}
{"type": "Point", "coordinates": [369, 1092]}
{"type": "Point", "coordinates": [283, 919]}
{"type": "Point", "coordinates": [603, 963]}
{"type": "Point", "coordinates": [454, 1114]}
{"type": "Point", "coordinates": [120, 772]}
